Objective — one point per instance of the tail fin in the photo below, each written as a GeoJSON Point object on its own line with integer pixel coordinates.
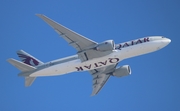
{"type": "Point", "coordinates": [29, 81]}
{"type": "Point", "coordinates": [28, 64]}
{"type": "Point", "coordinates": [24, 68]}
{"type": "Point", "coordinates": [28, 59]}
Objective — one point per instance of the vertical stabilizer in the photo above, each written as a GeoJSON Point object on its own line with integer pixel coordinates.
{"type": "Point", "coordinates": [28, 59]}
{"type": "Point", "coordinates": [29, 81]}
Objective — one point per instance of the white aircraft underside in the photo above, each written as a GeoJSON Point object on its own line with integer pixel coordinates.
{"type": "Point", "coordinates": [100, 59]}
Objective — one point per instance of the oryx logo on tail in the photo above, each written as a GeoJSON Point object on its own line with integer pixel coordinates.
{"type": "Point", "coordinates": [28, 59]}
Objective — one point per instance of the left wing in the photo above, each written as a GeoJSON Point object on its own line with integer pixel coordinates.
{"type": "Point", "coordinates": [78, 41]}
{"type": "Point", "coordinates": [83, 45]}
{"type": "Point", "coordinates": [100, 77]}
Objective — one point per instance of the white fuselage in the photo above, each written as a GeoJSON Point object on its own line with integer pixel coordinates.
{"type": "Point", "coordinates": [123, 51]}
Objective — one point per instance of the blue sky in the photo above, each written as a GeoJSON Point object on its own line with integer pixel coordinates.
{"type": "Point", "coordinates": [153, 85]}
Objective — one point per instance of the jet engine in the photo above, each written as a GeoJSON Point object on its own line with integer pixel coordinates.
{"type": "Point", "coordinates": [122, 71]}
{"type": "Point", "coordinates": [108, 45]}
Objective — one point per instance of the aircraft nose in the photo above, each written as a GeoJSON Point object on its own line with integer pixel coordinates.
{"type": "Point", "coordinates": [166, 40]}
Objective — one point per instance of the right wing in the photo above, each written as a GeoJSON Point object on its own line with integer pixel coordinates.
{"type": "Point", "coordinates": [100, 77]}
{"type": "Point", "coordinates": [98, 82]}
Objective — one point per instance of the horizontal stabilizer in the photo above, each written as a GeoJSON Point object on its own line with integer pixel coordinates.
{"type": "Point", "coordinates": [29, 81]}
{"type": "Point", "coordinates": [20, 65]}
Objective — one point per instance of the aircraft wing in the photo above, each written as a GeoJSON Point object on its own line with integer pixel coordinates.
{"type": "Point", "coordinates": [83, 45]}
{"type": "Point", "coordinates": [100, 77]}
{"type": "Point", "coordinates": [78, 41]}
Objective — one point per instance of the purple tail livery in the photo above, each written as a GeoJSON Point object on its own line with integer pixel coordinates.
{"type": "Point", "coordinates": [28, 59]}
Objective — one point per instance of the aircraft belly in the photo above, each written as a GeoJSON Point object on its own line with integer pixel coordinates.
{"type": "Point", "coordinates": [100, 62]}
{"type": "Point", "coordinates": [58, 69]}
{"type": "Point", "coordinates": [73, 66]}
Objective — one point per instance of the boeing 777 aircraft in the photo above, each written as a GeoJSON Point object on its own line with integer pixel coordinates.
{"type": "Point", "coordinates": [99, 59]}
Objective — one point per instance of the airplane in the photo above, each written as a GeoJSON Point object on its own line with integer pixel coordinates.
{"type": "Point", "coordinates": [99, 59]}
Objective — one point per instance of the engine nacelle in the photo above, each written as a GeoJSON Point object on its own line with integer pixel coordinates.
{"type": "Point", "coordinates": [108, 45]}
{"type": "Point", "coordinates": [122, 71]}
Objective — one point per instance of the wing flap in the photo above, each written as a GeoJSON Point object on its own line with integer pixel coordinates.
{"type": "Point", "coordinates": [90, 54]}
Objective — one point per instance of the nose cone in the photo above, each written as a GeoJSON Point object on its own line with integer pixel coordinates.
{"type": "Point", "coordinates": [166, 41]}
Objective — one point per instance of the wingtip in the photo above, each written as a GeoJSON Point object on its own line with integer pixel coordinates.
{"type": "Point", "coordinates": [19, 51]}
{"type": "Point", "coordinates": [93, 94]}
{"type": "Point", "coordinates": [39, 15]}
{"type": "Point", "coordinates": [10, 59]}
